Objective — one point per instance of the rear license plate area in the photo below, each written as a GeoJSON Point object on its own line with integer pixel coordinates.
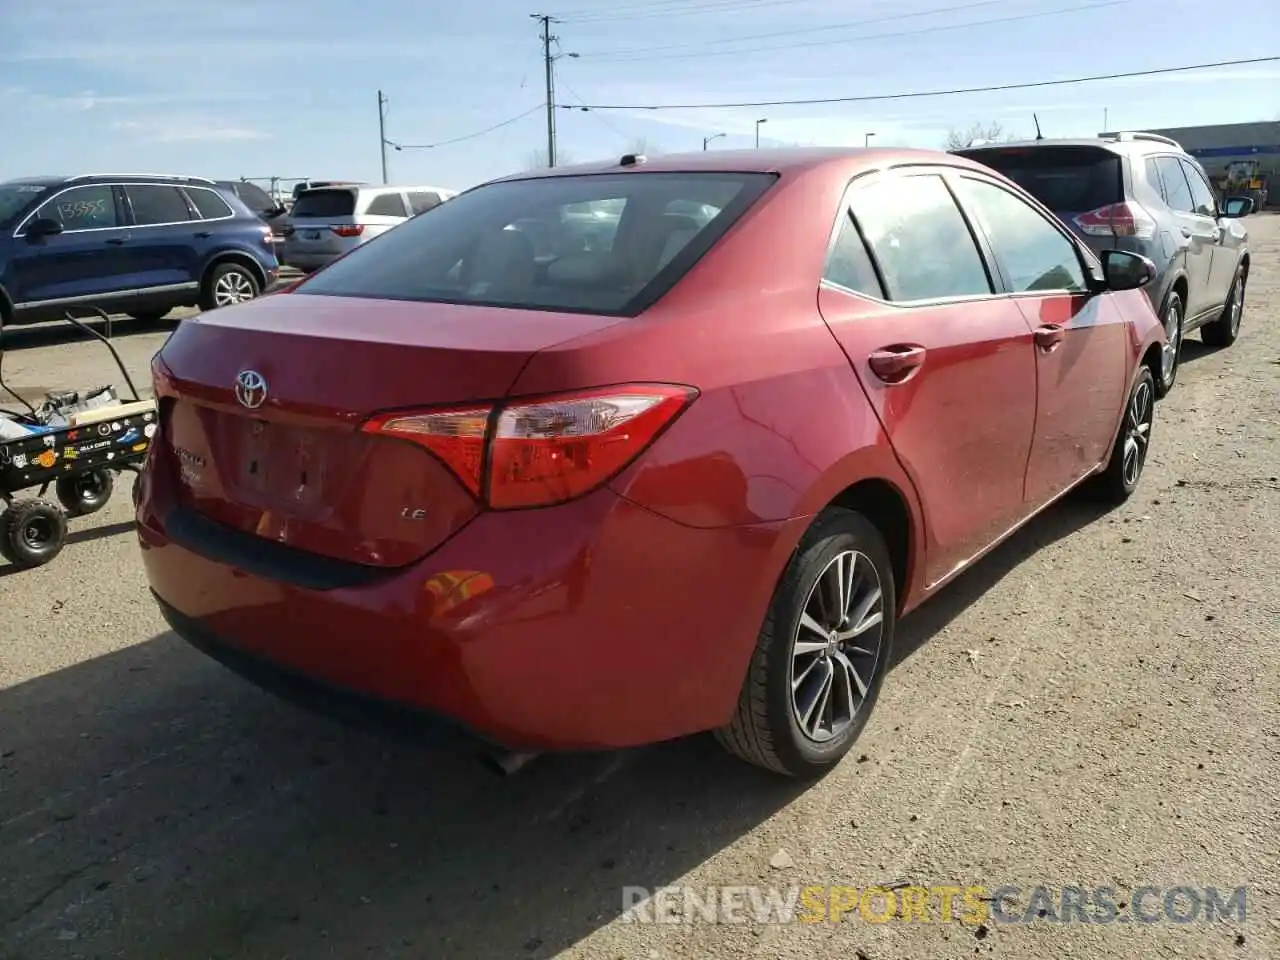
{"type": "Point", "coordinates": [281, 465]}
{"type": "Point", "coordinates": [310, 234]}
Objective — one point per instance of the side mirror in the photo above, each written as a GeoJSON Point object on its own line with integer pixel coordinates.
{"type": "Point", "coordinates": [42, 227]}
{"type": "Point", "coordinates": [1126, 271]}
{"type": "Point", "coordinates": [1236, 207]}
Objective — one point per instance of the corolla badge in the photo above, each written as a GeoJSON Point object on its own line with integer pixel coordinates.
{"type": "Point", "coordinates": [251, 389]}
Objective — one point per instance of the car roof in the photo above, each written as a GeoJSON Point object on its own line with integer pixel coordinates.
{"type": "Point", "coordinates": [784, 160]}
{"type": "Point", "coordinates": [1139, 145]}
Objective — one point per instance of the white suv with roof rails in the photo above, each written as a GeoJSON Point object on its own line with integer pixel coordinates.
{"type": "Point", "coordinates": [326, 222]}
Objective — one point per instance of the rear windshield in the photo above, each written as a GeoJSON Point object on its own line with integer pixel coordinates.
{"type": "Point", "coordinates": [1064, 179]}
{"type": "Point", "coordinates": [600, 243]}
{"type": "Point", "coordinates": [255, 198]}
{"type": "Point", "coordinates": [325, 203]}
{"type": "Point", "coordinates": [14, 198]}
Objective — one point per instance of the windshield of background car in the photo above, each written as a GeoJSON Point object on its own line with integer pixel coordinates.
{"type": "Point", "coordinates": [601, 243]}
{"type": "Point", "coordinates": [324, 204]}
{"type": "Point", "coordinates": [1064, 179]}
{"type": "Point", "coordinates": [16, 197]}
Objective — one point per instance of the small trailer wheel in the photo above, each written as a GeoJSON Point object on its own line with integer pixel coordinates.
{"type": "Point", "coordinates": [33, 532]}
{"type": "Point", "coordinates": [84, 493]}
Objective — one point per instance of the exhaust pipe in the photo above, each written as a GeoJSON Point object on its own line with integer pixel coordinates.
{"type": "Point", "coordinates": [507, 762]}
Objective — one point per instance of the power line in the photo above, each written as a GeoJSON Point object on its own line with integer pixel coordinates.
{"type": "Point", "coordinates": [639, 51]}
{"type": "Point", "coordinates": [1040, 14]}
{"type": "Point", "coordinates": [468, 136]}
{"type": "Point", "coordinates": [651, 10]}
{"type": "Point", "coordinates": [816, 101]}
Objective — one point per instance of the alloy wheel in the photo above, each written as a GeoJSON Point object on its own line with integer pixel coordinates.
{"type": "Point", "coordinates": [1237, 305]}
{"type": "Point", "coordinates": [1173, 342]}
{"type": "Point", "coordinates": [836, 649]}
{"type": "Point", "coordinates": [1137, 432]}
{"type": "Point", "coordinates": [231, 288]}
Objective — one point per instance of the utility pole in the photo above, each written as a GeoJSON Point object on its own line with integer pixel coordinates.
{"type": "Point", "coordinates": [382, 132]}
{"type": "Point", "coordinates": [548, 60]}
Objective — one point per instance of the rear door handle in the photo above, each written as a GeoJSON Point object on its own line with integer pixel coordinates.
{"type": "Point", "coordinates": [1049, 336]}
{"type": "Point", "coordinates": [897, 363]}
{"type": "Point", "coordinates": [203, 234]}
{"type": "Point", "coordinates": [1187, 232]}
{"type": "Point", "coordinates": [117, 241]}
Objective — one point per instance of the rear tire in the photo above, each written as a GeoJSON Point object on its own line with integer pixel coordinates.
{"type": "Point", "coordinates": [228, 284]}
{"type": "Point", "coordinates": [1129, 453]}
{"type": "Point", "coordinates": [34, 532]}
{"type": "Point", "coordinates": [838, 647]}
{"type": "Point", "coordinates": [84, 493]}
{"type": "Point", "coordinates": [1171, 354]}
{"type": "Point", "coordinates": [1224, 331]}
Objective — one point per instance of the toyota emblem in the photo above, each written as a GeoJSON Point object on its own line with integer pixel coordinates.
{"type": "Point", "coordinates": [251, 389]}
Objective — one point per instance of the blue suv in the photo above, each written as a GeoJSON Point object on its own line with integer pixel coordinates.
{"type": "Point", "coordinates": [133, 244]}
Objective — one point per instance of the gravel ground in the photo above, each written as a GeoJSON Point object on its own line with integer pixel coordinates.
{"type": "Point", "coordinates": [1094, 704]}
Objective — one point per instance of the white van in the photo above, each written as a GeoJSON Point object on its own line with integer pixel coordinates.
{"type": "Point", "coordinates": [326, 222]}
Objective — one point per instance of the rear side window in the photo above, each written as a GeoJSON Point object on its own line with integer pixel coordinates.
{"type": "Point", "coordinates": [255, 198]}
{"type": "Point", "coordinates": [1067, 180]}
{"type": "Point", "coordinates": [1177, 192]}
{"type": "Point", "coordinates": [848, 265]}
{"type": "Point", "coordinates": [155, 204]}
{"type": "Point", "coordinates": [422, 202]}
{"type": "Point", "coordinates": [1201, 195]}
{"type": "Point", "coordinates": [324, 204]}
{"type": "Point", "coordinates": [83, 208]}
{"type": "Point", "coordinates": [386, 205]}
{"type": "Point", "coordinates": [208, 204]}
{"type": "Point", "coordinates": [599, 243]}
{"type": "Point", "coordinates": [920, 239]}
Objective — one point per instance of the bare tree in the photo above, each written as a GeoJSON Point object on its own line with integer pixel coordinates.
{"type": "Point", "coordinates": [537, 159]}
{"type": "Point", "coordinates": [642, 147]}
{"type": "Point", "coordinates": [958, 140]}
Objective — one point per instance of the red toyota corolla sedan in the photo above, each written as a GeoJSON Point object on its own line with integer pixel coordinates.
{"type": "Point", "coordinates": [610, 454]}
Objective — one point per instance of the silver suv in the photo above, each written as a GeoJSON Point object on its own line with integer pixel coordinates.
{"type": "Point", "coordinates": [1143, 193]}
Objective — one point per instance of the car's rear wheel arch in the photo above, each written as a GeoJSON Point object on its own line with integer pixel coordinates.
{"type": "Point", "coordinates": [240, 259]}
{"type": "Point", "coordinates": [1179, 286]}
{"type": "Point", "coordinates": [884, 505]}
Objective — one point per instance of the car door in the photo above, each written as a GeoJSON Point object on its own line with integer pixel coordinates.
{"type": "Point", "coordinates": [166, 244]}
{"type": "Point", "coordinates": [947, 363]}
{"type": "Point", "coordinates": [83, 262]}
{"type": "Point", "coordinates": [1197, 234]}
{"type": "Point", "coordinates": [1224, 252]}
{"type": "Point", "coordinates": [1081, 338]}
{"type": "Point", "coordinates": [420, 201]}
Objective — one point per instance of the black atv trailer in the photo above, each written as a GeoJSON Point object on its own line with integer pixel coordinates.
{"type": "Point", "coordinates": [76, 442]}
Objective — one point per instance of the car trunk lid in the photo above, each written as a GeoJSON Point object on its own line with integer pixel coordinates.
{"type": "Point", "coordinates": [266, 400]}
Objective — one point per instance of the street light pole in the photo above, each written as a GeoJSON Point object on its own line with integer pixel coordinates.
{"type": "Point", "coordinates": [706, 140]}
{"type": "Point", "coordinates": [382, 132]}
{"type": "Point", "coordinates": [758, 122]}
{"type": "Point", "coordinates": [866, 139]}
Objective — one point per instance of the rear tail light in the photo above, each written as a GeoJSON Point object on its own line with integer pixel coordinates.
{"type": "Point", "coordinates": [1117, 220]}
{"type": "Point", "coordinates": [538, 453]}
{"type": "Point", "coordinates": [347, 229]}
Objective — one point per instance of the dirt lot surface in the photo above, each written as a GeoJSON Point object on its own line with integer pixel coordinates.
{"type": "Point", "coordinates": [1096, 704]}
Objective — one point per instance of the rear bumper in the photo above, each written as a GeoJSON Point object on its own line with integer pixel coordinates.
{"type": "Point", "coordinates": [307, 261]}
{"type": "Point", "coordinates": [595, 624]}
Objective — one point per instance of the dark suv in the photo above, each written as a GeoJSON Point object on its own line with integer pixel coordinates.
{"type": "Point", "coordinates": [140, 245]}
{"type": "Point", "coordinates": [1143, 193]}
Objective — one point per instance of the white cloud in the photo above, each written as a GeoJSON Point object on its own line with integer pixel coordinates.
{"type": "Point", "coordinates": [188, 131]}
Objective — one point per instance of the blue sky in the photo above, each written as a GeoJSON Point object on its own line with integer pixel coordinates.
{"type": "Point", "coordinates": [243, 88]}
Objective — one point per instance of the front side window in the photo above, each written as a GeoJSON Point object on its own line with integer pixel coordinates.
{"type": "Point", "coordinates": [598, 243]}
{"type": "Point", "coordinates": [1034, 254]}
{"type": "Point", "coordinates": [83, 208]}
{"type": "Point", "coordinates": [920, 239]}
{"type": "Point", "coordinates": [1177, 192]}
{"type": "Point", "coordinates": [16, 197]}
{"type": "Point", "coordinates": [1201, 196]}
{"type": "Point", "coordinates": [386, 205]}
{"type": "Point", "coordinates": [154, 204]}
